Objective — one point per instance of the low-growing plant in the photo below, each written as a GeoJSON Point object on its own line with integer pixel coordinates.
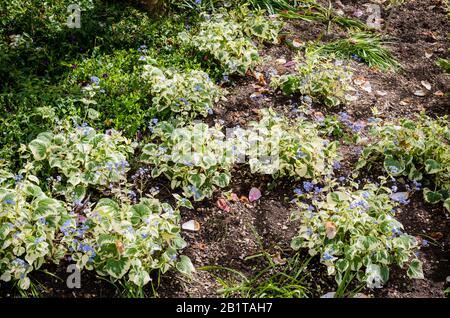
{"type": "Point", "coordinates": [29, 223]}
{"type": "Point", "coordinates": [284, 148]}
{"type": "Point", "coordinates": [195, 158]}
{"type": "Point", "coordinates": [80, 157]}
{"type": "Point", "coordinates": [127, 242]}
{"type": "Point", "coordinates": [417, 149]}
{"type": "Point", "coordinates": [364, 47]}
{"type": "Point", "coordinates": [183, 93]}
{"type": "Point", "coordinates": [324, 79]}
{"type": "Point", "coordinates": [356, 235]}
{"type": "Point", "coordinates": [227, 38]}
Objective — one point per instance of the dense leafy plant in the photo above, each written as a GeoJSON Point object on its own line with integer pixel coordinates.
{"type": "Point", "coordinates": [226, 37]}
{"type": "Point", "coordinates": [80, 157]}
{"type": "Point", "coordinates": [125, 241]}
{"type": "Point", "coordinates": [355, 234]}
{"type": "Point", "coordinates": [417, 149]}
{"type": "Point", "coordinates": [277, 146]}
{"type": "Point", "coordinates": [29, 223]}
{"type": "Point", "coordinates": [362, 46]}
{"type": "Point", "coordinates": [196, 158]}
{"type": "Point", "coordinates": [186, 94]}
{"type": "Point", "coordinates": [325, 80]}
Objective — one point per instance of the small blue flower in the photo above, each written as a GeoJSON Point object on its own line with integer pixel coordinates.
{"type": "Point", "coordinates": [298, 191]}
{"type": "Point", "coordinates": [9, 201]}
{"type": "Point", "coordinates": [95, 80]}
{"type": "Point", "coordinates": [425, 243]}
{"type": "Point", "coordinates": [327, 256]}
{"type": "Point", "coordinates": [336, 165]}
{"type": "Point", "coordinates": [308, 186]}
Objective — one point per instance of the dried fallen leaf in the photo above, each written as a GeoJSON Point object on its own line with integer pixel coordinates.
{"type": "Point", "coordinates": [297, 43]}
{"type": "Point", "coordinates": [289, 64]}
{"type": "Point", "coordinates": [330, 230]}
{"type": "Point", "coordinates": [244, 199]}
{"type": "Point", "coordinates": [359, 80]}
{"type": "Point", "coordinates": [278, 260]}
{"type": "Point", "coordinates": [120, 247]}
{"type": "Point", "coordinates": [381, 93]}
{"type": "Point", "coordinates": [437, 235]}
{"type": "Point", "coordinates": [260, 77]}
{"type": "Point", "coordinates": [223, 205]}
{"type": "Point", "coordinates": [419, 93]}
{"type": "Point", "coordinates": [367, 87]}
{"type": "Point", "coordinates": [281, 61]}
{"type": "Point", "coordinates": [234, 197]}
{"type": "Point", "coordinates": [191, 225]}
{"type": "Point", "coordinates": [426, 84]}
{"type": "Point", "coordinates": [439, 93]}
{"type": "Point", "coordinates": [254, 194]}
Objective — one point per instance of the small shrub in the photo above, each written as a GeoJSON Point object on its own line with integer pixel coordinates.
{"type": "Point", "coordinates": [355, 233]}
{"type": "Point", "coordinates": [323, 79]}
{"type": "Point", "coordinates": [195, 158]}
{"type": "Point", "coordinates": [417, 149]}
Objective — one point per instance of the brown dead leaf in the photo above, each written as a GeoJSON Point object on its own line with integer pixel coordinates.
{"type": "Point", "coordinates": [437, 235]}
{"type": "Point", "coordinates": [244, 199]}
{"type": "Point", "coordinates": [330, 230]}
{"type": "Point", "coordinates": [120, 247]}
{"type": "Point", "coordinates": [223, 205]}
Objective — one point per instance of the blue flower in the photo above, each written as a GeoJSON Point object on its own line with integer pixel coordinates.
{"type": "Point", "coordinates": [198, 88]}
{"type": "Point", "coordinates": [327, 256]}
{"type": "Point", "coordinates": [394, 188]}
{"type": "Point", "coordinates": [9, 201]}
{"type": "Point", "coordinates": [393, 169]}
{"type": "Point", "coordinates": [18, 178]}
{"type": "Point", "coordinates": [298, 191]}
{"type": "Point", "coordinates": [39, 240]}
{"type": "Point", "coordinates": [308, 186]}
{"type": "Point", "coordinates": [425, 243]}
{"type": "Point", "coordinates": [95, 80]}
{"type": "Point", "coordinates": [336, 165]}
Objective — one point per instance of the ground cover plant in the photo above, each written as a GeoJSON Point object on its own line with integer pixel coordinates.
{"type": "Point", "coordinates": [259, 148]}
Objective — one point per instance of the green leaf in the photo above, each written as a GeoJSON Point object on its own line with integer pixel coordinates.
{"type": "Point", "coordinates": [39, 149]}
{"type": "Point", "coordinates": [185, 266]}
{"type": "Point", "coordinates": [197, 180]}
{"type": "Point", "coordinates": [431, 196]}
{"type": "Point", "coordinates": [414, 174]}
{"type": "Point", "coordinates": [432, 166]}
{"type": "Point", "coordinates": [117, 268]}
{"type": "Point", "coordinates": [415, 270]}
{"type": "Point", "coordinates": [394, 167]}
{"type": "Point", "coordinates": [447, 204]}
{"type": "Point", "coordinates": [222, 180]}
{"type": "Point", "coordinates": [342, 265]}
{"type": "Point", "coordinates": [139, 213]}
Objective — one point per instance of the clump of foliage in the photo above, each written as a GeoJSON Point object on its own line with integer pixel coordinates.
{"type": "Point", "coordinates": [80, 157]}
{"type": "Point", "coordinates": [324, 79]}
{"type": "Point", "coordinates": [183, 93]}
{"type": "Point", "coordinates": [417, 149]}
{"type": "Point", "coordinates": [29, 224]}
{"type": "Point", "coordinates": [355, 234]}
{"type": "Point", "coordinates": [361, 46]}
{"type": "Point", "coordinates": [274, 145]}
{"type": "Point", "coordinates": [195, 158]}
{"type": "Point", "coordinates": [124, 241]}
{"type": "Point", "coordinates": [227, 38]}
